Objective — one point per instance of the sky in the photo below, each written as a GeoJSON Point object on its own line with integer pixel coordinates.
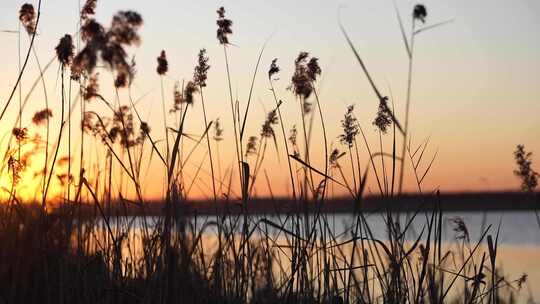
{"type": "Point", "coordinates": [475, 92]}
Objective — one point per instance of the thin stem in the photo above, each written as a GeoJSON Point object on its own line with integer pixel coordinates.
{"type": "Point", "coordinates": [47, 136]}
{"type": "Point", "coordinates": [164, 118]}
{"type": "Point", "coordinates": [325, 142]}
{"type": "Point", "coordinates": [353, 170]}
{"type": "Point", "coordinates": [69, 145]}
{"type": "Point", "coordinates": [219, 167]}
{"type": "Point", "coordinates": [306, 151]}
{"type": "Point", "coordinates": [44, 201]}
{"type": "Point", "coordinates": [238, 144]}
{"type": "Point", "coordinates": [284, 137]}
{"type": "Point", "coordinates": [209, 146]}
{"type": "Point", "coordinates": [407, 107]}
{"type": "Point", "coordinates": [358, 167]}
{"type": "Point", "coordinates": [385, 180]}
{"type": "Point", "coordinates": [20, 87]}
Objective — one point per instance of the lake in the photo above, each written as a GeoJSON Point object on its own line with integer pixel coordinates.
{"type": "Point", "coordinates": [518, 250]}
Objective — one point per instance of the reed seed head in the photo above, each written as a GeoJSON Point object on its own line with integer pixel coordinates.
{"type": "Point", "coordinates": [271, 119]}
{"type": "Point", "coordinates": [525, 172]}
{"type": "Point", "coordinates": [305, 74]}
{"type": "Point", "coordinates": [218, 130]}
{"type": "Point", "coordinates": [462, 233]}
{"type": "Point", "coordinates": [251, 146]}
{"type": "Point", "coordinates": [64, 50]}
{"type": "Point", "coordinates": [16, 168]}
{"type": "Point", "coordinates": [384, 116]}
{"type": "Point", "coordinates": [40, 117]}
{"type": "Point", "coordinates": [162, 63]}
{"type": "Point", "coordinates": [27, 16]}
{"type": "Point", "coordinates": [201, 70]}
{"type": "Point", "coordinates": [189, 92]}
{"type": "Point", "coordinates": [313, 69]}
{"type": "Point", "coordinates": [91, 30]}
{"type": "Point", "coordinates": [293, 135]}
{"type": "Point", "coordinates": [92, 88]}
{"type": "Point", "coordinates": [334, 157]}
{"type": "Point", "coordinates": [420, 12]}
{"type": "Point", "coordinates": [109, 44]}
{"type": "Point", "coordinates": [20, 134]}
{"type": "Point", "coordinates": [274, 68]}
{"type": "Point", "coordinates": [350, 127]}
{"type": "Point", "coordinates": [124, 28]}
{"type": "Point", "coordinates": [144, 131]}
{"type": "Point", "coordinates": [178, 98]}
{"type": "Point", "coordinates": [224, 27]}
{"type": "Point", "coordinates": [89, 9]}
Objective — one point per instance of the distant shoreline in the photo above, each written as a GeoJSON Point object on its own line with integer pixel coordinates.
{"type": "Point", "coordinates": [472, 201]}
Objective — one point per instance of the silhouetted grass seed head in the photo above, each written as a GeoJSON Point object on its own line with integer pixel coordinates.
{"type": "Point", "coordinates": [89, 9]}
{"type": "Point", "coordinates": [41, 117]}
{"type": "Point", "coordinates": [64, 50]}
{"type": "Point", "coordinates": [190, 90]}
{"type": "Point", "coordinates": [420, 12]}
{"type": "Point", "coordinates": [224, 27]}
{"type": "Point", "coordinates": [27, 16]}
{"type": "Point", "coordinates": [349, 125]}
{"type": "Point", "coordinates": [201, 70]}
{"type": "Point", "coordinates": [163, 64]}
{"type": "Point", "coordinates": [305, 73]}
{"type": "Point", "coordinates": [274, 68]}
{"type": "Point", "coordinates": [384, 117]}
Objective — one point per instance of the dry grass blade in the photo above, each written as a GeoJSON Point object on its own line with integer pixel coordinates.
{"type": "Point", "coordinates": [251, 90]}
{"type": "Point", "coordinates": [175, 150]}
{"type": "Point", "coordinates": [296, 158]}
{"type": "Point", "coordinates": [102, 213]}
{"type": "Point", "coordinates": [370, 79]}
{"type": "Point", "coordinates": [245, 181]}
{"type": "Point", "coordinates": [363, 184]}
{"type": "Point", "coordinates": [402, 29]}
{"type": "Point", "coordinates": [429, 27]}
{"type": "Point", "coordinates": [282, 229]}
{"type": "Point", "coordinates": [428, 167]}
{"type": "Point", "coordinates": [196, 144]}
{"type": "Point", "coordinates": [384, 154]}
{"type": "Point", "coordinates": [154, 147]}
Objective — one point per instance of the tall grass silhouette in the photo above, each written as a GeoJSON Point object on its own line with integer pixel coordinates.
{"type": "Point", "coordinates": [94, 241]}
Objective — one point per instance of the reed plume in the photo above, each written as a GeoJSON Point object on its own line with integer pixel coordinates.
{"type": "Point", "coordinates": [162, 64]}
{"type": "Point", "coordinates": [41, 117]}
{"type": "Point", "coordinates": [349, 125]}
{"type": "Point", "coordinates": [109, 46]}
{"type": "Point", "coordinates": [224, 27]}
{"type": "Point", "coordinates": [88, 10]}
{"type": "Point", "coordinates": [27, 16]}
{"type": "Point", "coordinates": [525, 172]}
{"type": "Point", "coordinates": [383, 119]}
{"type": "Point", "coordinates": [64, 50]}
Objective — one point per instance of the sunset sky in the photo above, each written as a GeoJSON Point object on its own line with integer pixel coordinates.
{"type": "Point", "coordinates": [476, 92]}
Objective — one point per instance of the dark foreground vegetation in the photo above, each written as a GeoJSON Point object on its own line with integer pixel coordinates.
{"type": "Point", "coordinates": [53, 258]}
{"type": "Point", "coordinates": [51, 251]}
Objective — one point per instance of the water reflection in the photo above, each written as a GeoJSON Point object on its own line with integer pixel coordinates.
{"type": "Point", "coordinates": [518, 252]}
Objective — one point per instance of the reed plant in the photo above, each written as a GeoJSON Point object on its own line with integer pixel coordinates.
{"type": "Point", "coordinates": [101, 245]}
